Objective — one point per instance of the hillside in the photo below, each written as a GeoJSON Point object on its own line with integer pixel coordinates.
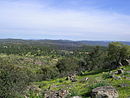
{"type": "Point", "coordinates": [83, 87]}
{"type": "Point", "coordinates": [46, 69]}
{"type": "Point", "coordinates": [65, 43]}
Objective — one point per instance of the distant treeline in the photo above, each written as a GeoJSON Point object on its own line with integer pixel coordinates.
{"type": "Point", "coordinates": [37, 48]}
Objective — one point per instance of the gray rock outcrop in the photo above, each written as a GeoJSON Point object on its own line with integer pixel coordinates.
{"type": "Point", "coordinates": [104, 92]}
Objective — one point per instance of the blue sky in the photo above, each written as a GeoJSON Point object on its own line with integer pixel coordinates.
{"type": "Point", "coordinates": [65, 19]}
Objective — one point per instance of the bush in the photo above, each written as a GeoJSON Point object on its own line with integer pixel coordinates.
{"type": "Point", "coordinates": [106, 75]}
{"type": "Point", "coordinates": [13, 81]}
{"type": "Point", "coordinates": [68, 66]}
{"type": "Point", "coordinates": [48, 72]}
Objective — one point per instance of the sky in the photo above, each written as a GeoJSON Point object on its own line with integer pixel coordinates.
{"type": "Point", "coordinates": [65, 19]}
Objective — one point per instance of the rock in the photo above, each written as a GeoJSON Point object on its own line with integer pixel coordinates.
{"type": "Point", "coordinates": [104, 92]}
{"type": "Point", "coordinates": [128, 71]}
{"type": "Point", "coordinates": [120, 71]}
{"type": "Point", "coordinates": [34, 88]}
{"type": "Point", "coordinates": [56, 94]}
{"type": "Point", "coordinates": [84, 80]}
{"type": "Point", "coordinates": [76, 97]}
{"type": "Point", "coordinates": [25, 96]}
{"type": "Point", "coordinates": [123, 85]}
{"type": "Point", "coordinates": [125, 62]}
{"type": "Point", "coordinates": [117, 77]}
{"type": "Point", "coordinates": [128, 78]}
{"type": "Point", "coordinates": [71, 78]}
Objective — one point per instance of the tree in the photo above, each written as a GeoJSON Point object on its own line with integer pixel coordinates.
{"type": "Point", "coordinates": [47, 73]}
{"type": "Point", "coordinates": [68, 66]}
{"type": "Point", "coordinates": [96, 59]}
{"type": "Point", "coordinates": [118, 52]}
{"type": "Point", "coordinates": [13, 81]}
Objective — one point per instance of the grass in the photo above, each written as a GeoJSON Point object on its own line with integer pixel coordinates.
{"type": "Point", "coordinates": [79, 88]}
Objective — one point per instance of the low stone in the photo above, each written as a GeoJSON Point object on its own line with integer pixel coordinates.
{"type": "Point", "coordinates": [117, 77]}
{"type": "Point", "coordinates": [128, 71]}
{"type": "Point", "coordinates": [120, 71]}
{"type": "Point", "coordinates": [125, 62]}
{"type": "Point", "coordinates": [104, 92]}
{"type": "Point", "coordinates": [84, 80]}
{"type": "Point", "coordinates": [128, 78]}
{"type": "Point", "coordinates": [72, 78]}
{"type": "Point", "coordinates": [56, 94]}
{"type": "Point", "coordinates": [76, 97]}
{"type": "Point", "coordinates": [34, 88]}
{"type": "Point", "coordinates": [123, 85]}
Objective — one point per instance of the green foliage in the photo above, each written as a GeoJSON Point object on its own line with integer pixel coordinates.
{"type": "Point", "coordinates": [118, 52]}
{"type": "Point", "coordinates": [48, 72]}
{"type": "Point", "coordinates": [33, 62]}
{"type": "Point", "coordinates": [13, 80]}
{"type": "Point", "coordinates": [95, 60]}
{"type": "Point", "coordinates": [98, 85]}
{"type": "Point", "coordinates": [106, 75]}
{"type": "Point", "coordinates": [67, 66]}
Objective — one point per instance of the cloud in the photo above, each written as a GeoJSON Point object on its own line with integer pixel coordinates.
{"type": "Point", "coordinates": [34, 18]}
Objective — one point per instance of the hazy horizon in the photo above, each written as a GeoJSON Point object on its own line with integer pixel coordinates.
{"type": "Point", "coordinates": [63, 39]}
{"type": "Point", "coordinates": [94, 20]}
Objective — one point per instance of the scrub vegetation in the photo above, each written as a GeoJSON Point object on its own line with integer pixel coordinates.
{"type": "Point", "coordinates": [30, 69]}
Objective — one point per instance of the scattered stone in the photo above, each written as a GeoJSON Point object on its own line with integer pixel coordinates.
{"type": "Point", "coordinates": [104, 92]}
{"type": "Point", "coordinates": [117, 77]}
{"type": "Point", "coordinates": [123, 85]}
{"type": "Point", "coordinates": [120, 71]}
{"type": "Point", "coordinates": [111, 72]}
{"type": "Point", "coordinates": [25, 96]}
{"type": "Point", "coordinates": [56, 94]}
{"type": "Point", "coordinates": [84, 80]}
{"type": "Point", "coordinates": [125, 62]}
{"type": "Point", "coordinates": [128, 71]}
{"type": "Point", "coordinates": [111, 76]}
{"type": "Point", "coordinates": [72, 78]}
{"type": "Point", "coordinates": [128, 78]}
{"type": "Point", "coordinates": [76, 97]}
{"type": "Point", "coordinates": [34, 88]}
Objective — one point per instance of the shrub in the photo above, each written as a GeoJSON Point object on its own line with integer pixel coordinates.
{"type": "Point", "coordinates": [48, 72]}
{"type": "Point", "coordinates": [106, 75]}
{"type": "Point", "coordinates": [13, 81]}
{"type": "Point", "coordinates": [68, 66]}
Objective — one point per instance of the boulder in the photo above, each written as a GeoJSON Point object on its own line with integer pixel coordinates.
{"type": "Point", "coordinates": [56, 94]}
{"type": "Point", "coordinates": [104, 92]}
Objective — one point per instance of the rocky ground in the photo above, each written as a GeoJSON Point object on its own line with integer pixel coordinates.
{"type": "Point", "coordinates": [112, 84]}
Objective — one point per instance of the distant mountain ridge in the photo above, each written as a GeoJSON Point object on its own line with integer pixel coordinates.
{"type": "Point", "coordinates": [60, 42]}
